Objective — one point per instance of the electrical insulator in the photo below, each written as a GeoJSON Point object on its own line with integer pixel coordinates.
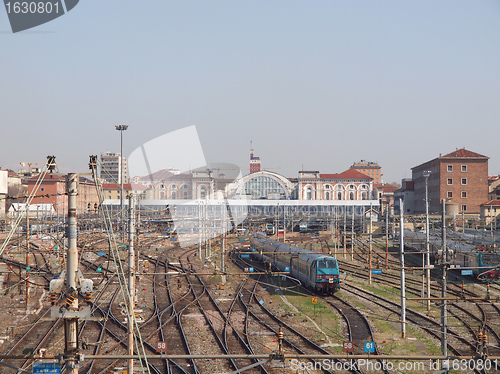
{"type": "Point", "coordinates": [480, 336]}
{"type": "Point", "coordinates": [53, 298]}
{"type": "Point", "coordinates": [485, 339]}
{"type": "Point", "coordinates": [69, 301]}
{"type": "Point", "coordinates": [88, 297]}
{"type": "Point", "coordinates": [280, 334]}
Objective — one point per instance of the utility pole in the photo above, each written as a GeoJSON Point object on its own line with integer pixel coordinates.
{"type": "Point", "coordinates": [387, 237]}
{"type": "Point", "coordinates": [73, 279]}
{"type": "Point", "coordinates": [222, 265]}
{"type": "Point", "coordinates": [370, 249]}
{"type": "Point", "coordinates": [131, 283]}
{"type": "Point", "coordinates": [343, 233]}
{"type": "Point", "coordinates": [199, 229]}
{"type": "Point", "coordinates": [444, 264]}
{"type": "Point", "coordinates": [27, 255]}
{"type": "Point", "coordinates": [284, 223]}
{"type": "Point", "coordinates": [71, 324]}
{"type": "Point", "coordinates": [402, 261]}
{"type": "Point", "coordinates": [352, 235]}
{"type": "Point", "coordinates": [427, 249]}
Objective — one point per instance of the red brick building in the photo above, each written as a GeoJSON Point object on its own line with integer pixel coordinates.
{"type": "Point", "coordinates": [460, 177]}
{"type": "Point", "coordinates": [348, 185]}
{"type": "Point", "coordinates": [53, 191]}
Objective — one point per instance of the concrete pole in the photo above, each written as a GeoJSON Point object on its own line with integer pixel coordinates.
{"type": "Point", "coordinates": [387, 237]}
{"type": "Point", "coordinates": [27, 256]}
{"type": "Point", "coordinates": [284, 223]}
{"type": "Point", "coordinates": [444, 341]}
{"type": "Point", "coordinates": [131, 284]}
{"type": "Point", "coordinates": [199, 230]}
{"type": "Point", "coordinates": [71, 324]}
{"type": "Point", "coordinates": [352, 235]}
{"type": "Point", "coordinates": [427, 248]}
{"type": "Point", "coordinates": [370, 248]}
{"type": "Point", "coordinates": [402, 259]}
{"type": "Point", "coordinates": [222, 265]}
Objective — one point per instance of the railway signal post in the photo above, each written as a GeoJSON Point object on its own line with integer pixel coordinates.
{"type": "Point", "coordinates": [73, 279]}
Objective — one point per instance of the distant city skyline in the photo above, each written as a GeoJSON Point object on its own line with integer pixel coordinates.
{"type": "Point", "coordinates": [315, 85]}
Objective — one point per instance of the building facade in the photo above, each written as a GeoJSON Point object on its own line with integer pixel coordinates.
{"type": "Point", "coordinates": [52, 190]}
{"type": "Point", "coordinates": [370, 169]}
{"type": "Point", "coordinates": [111, 168]}
{"type": "Point", "coordinates": [254, 162]}
{"type": "Point", "coordinates": [460, 177]}
{"type": "Point", "coordinates": [348, 185]}
{"type": "Point", "coordinates": [490, 212]}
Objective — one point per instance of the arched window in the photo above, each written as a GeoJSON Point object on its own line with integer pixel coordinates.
{"type": "Point", "coordinates": [162, 195]}
{"type": "Point", "coordinates": [328, 193]}
{"type": "Point", "coordinates": [264, 187]}
{"type": "Point", "coordinates": [185, 195]}
{"type": "Point", "coordinates": [352, 189]}
{"type": "Point", "coordinates": [364, 192]}
{"type": "Point", "coordinates": [173, 195]}
{"type": "Point", "coordinates": [309, 193]}
{"type": "Point", "coordinates": [339, 192]}
{"type": "Point", "coordinates": [203, 192]}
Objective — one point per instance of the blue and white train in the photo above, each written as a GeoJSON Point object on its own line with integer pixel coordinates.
{"type": "Point", "coordinates": [316, 271]}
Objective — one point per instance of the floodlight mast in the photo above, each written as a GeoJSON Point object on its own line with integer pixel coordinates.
{"type": "Point", "coordinates": [121, 128]}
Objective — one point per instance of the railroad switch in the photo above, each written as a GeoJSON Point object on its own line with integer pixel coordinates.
{"type": "Point", "coordinates": [277, 356]}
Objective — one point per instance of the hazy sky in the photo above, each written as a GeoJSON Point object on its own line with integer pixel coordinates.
{"type": "Point", "coordinates": [314, 84]}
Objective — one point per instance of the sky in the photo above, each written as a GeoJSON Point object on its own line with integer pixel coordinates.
{"type": "Point", "coordinates": [316, 85]}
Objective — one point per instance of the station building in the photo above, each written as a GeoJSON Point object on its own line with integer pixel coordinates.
{"type": "Point", "coordinates": [459, 177]}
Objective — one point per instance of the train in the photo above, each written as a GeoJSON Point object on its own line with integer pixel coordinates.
{"type": "Point", "coordinates": [484, 264]}
{"type": "Point", "coordinates": [317, 272]}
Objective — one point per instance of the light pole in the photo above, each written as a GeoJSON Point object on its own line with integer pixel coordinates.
{"type": "Point", "coordinates": [427, 173]}
{"type": "Point", "coordinates": [121, 128]}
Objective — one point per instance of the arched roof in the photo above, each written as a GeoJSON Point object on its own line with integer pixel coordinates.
{"type": "Point", "coordinates": [263, 185]}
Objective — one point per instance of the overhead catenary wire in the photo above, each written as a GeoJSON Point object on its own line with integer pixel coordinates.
{"type": "Point", "coordinates": [117, 260]}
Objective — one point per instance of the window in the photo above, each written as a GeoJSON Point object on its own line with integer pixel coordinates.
{"type": "Point", "coordinates": [464, 194]}
{"type": "Point", "coordinates": [464, 168]}
{"type": "Point", "coordinates": [464, 181]}
{"type": "Point", "coordinates": [449, 168]}
{"type": "Point", "coordinates": [464, 207]}
{"type": "Point", "coordinates": [449, 194]}
{"type": "Point", "coordinates": [42, 189]}
{"type": "Point", "coordinates": [449, 181]}
{"type": "Point", "coordinates": [309, 193]}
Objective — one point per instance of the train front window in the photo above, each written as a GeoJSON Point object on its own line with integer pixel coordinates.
{"type": "Point", "coordinates": [332, 265]}
{"type": "Point", "coordinates": [322, 264]}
